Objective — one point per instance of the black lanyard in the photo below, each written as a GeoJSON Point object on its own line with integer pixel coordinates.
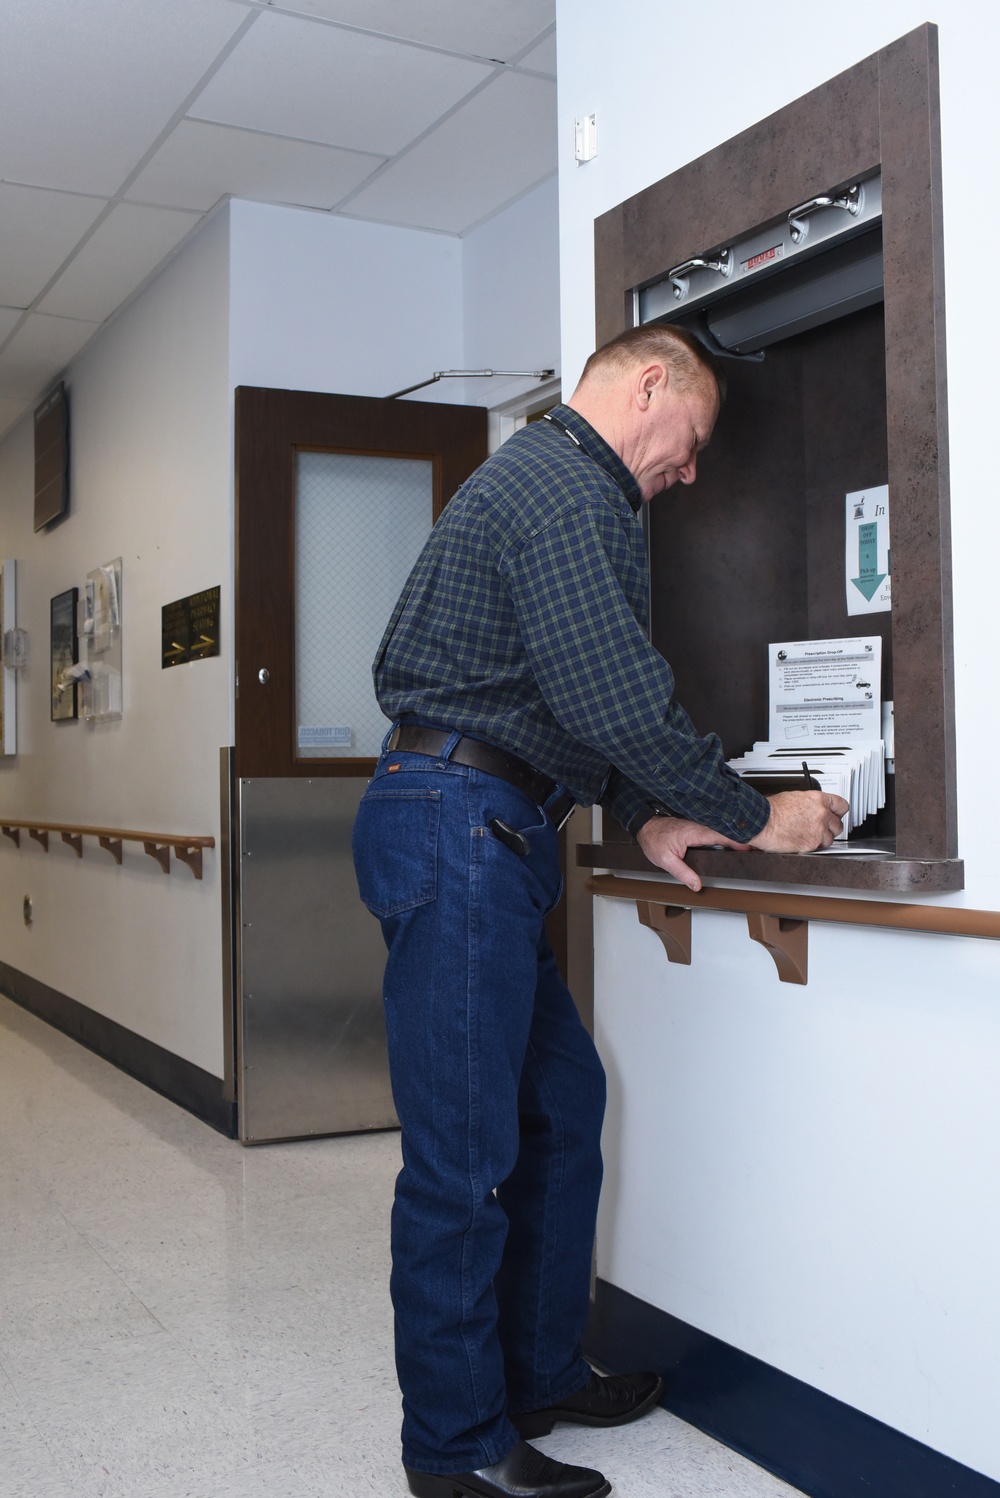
{"type": "Point", "coordinates": [564, 429]}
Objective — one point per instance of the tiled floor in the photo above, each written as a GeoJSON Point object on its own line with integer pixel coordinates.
{"type": "Point", "coordinates": [181, 1316]}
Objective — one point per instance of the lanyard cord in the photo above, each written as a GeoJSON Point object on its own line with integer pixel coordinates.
{"type": "Point", "coordinates": [564, 429]}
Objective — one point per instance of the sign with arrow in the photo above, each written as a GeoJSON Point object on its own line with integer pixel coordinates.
{"type": "Point", "coordinates": [867, 554]}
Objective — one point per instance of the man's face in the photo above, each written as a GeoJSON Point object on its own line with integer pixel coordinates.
{"type": "Point", "coordinates": [670, 430]}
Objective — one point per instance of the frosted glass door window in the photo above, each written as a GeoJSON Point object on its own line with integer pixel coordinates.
{"type": "Point", "coordinates": [360, 523]}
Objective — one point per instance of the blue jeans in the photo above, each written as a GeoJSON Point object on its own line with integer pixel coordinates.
{"type": "Point", "coordinates": [500, 1095]}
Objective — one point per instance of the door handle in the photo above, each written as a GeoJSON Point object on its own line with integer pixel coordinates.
{"type": "Point", "coordinates": [263, 676]}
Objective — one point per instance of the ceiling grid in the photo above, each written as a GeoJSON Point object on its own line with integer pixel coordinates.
{"type": "Point", "coordinates": [117, 139]}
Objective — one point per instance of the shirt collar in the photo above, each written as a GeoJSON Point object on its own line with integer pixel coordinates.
{"type": "Point", "coordinates": [593, 444]}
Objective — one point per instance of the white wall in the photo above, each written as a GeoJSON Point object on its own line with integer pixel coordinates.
{"type": "Point", "coordinates": [809, 1173]}
{"type": "Point", "coordinates": [336, 304]}
{"type": "Point", "coordinates": [510, 275]}
{"type": "Point", "coordinates": [262, 296]}
{"type": "Point", "coordinates": [151, 482]}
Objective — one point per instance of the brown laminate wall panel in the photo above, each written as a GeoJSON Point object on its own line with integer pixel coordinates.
{"type": "Point", "coordinates": [756, 551]}
{"type": "Point", "coordinates": [844, 450]}
{"type": "Point", "coordinates": [828, 137]}
{"type": "Point", "coordinates": [726, 556]}
{"type": "Point", "coordinates": [917, 438]}
{"type": "Point", "coordinates": [844, 444]}
{"type": "Point", "coordinates": [612, 312]}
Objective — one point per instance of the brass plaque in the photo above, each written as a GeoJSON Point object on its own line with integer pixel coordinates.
{"type": "Point", "coordinates": [190, 628]}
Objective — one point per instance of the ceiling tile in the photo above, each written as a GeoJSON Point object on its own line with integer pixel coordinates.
{"type": "Point", "coordinates": [543, 57]}
{"type": "Point", "coordinates": [440, 184]}
{"type": "Point", "coordinates": [37, 231]}
{"type": "Point", "coordinates": [496, 31]}
{"type": "Point", "coordinates": [200, 162]}
{"type": "Point", "coordinates": [11, 412]}
{"type": "Point", "coordinates": [85, 90]}
{"type": "Point", "coordinates": [294, 77]}
{"type": "Point", "coordinates": [9, 319]}
{"type": "Point", "coordinates": [38, 352]}
{"type": "Point", "coordinates": [121, 253]}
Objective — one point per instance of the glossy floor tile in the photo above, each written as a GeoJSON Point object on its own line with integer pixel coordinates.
{"type": "Point", "coordinates": [182, 1316]}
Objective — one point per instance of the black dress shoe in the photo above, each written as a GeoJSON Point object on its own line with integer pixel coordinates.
{"type": "Point", "coordinates": [602, 1401]}
{"type": "Point", "coordinates": [523, 1473]}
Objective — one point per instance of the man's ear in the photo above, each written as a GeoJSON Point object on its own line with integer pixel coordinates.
{"type": "Point", "coordinates": [655, 377]}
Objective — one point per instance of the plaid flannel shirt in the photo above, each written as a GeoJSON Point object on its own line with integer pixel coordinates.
{"type": "Point", "coordinates": [524, 623]}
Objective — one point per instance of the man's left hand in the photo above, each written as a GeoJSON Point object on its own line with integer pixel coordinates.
{"type": "Point", "coordinates": [665, 840]}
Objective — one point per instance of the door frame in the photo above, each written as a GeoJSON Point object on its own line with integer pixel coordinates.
{"type": "Point", "coordinates": [510, 416]}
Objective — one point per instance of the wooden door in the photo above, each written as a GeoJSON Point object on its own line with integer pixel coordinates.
{"type": "Point", "coordinates": [279, 432]}
{"type": "Point", "coordinates": [335, 496]}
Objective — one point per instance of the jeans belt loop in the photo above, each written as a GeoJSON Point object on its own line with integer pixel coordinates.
{"type": "Point", "coordinates": [450, 744]}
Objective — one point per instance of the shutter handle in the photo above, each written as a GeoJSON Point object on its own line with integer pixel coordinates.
{"type": "Point", "coordinates": [853, 200]}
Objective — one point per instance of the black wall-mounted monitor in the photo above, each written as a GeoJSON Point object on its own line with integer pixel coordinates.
{"type": "Point", "coordinates": [51, 458]}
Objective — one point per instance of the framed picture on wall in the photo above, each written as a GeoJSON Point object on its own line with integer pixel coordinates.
{"type": "Point", "coordinates": [63, 652]}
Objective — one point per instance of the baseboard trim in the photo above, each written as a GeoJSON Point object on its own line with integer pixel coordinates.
{"type": "Point", "coordinates": [181, 1081]}
{"type": "Point", "coordinates": [819, 1445]}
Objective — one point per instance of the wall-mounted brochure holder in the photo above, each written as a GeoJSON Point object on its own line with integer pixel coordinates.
{"type": "Point", "coordinates": [101, 637]}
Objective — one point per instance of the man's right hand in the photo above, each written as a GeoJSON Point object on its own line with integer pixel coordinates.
{"type": "Point", "coordinates": [801, 821]}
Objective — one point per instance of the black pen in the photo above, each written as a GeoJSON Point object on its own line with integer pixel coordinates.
{"type": "Point", "coordinates": [805, 771]}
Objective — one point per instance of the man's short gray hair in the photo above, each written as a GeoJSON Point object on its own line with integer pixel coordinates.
{"type": "Point", "coordinates": [687, 360]}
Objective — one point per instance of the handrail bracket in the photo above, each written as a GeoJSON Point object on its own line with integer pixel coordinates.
{"type": "Point", "coordinates": [112, 845]}
{"type": "Point", "coordinates": [786, 940]}
{"type": "Point", "coordinates": [672, 924]}
{"type": "Point", "coordinates": [161, 852]}
{"type": "Point", "coordinates": [191, 855]}
{"type": "Point", "coordinates": [75, 840]}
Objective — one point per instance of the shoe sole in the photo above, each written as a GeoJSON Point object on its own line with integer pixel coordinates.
{"type": "Point", "coordinates": [541, 1422]}
{"type": "Point", "coordinates": [429, 1485]}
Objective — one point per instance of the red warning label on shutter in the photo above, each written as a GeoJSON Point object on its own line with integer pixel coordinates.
{"type": "Point", "coordinates": [762, 258]}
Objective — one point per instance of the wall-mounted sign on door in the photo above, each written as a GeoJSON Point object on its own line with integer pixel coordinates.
{"type": "Point", "coordinates": [190, 628]}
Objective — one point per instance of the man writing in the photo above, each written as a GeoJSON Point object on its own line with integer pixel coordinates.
{"type": "Point", "coordinates": [518, 672]}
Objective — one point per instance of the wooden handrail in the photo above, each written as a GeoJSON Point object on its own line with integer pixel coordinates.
{"type": "Point", "coordinates": [157, 844]}
{"type": "Point", "coordinates": [780, 922]}
{"type": "Point", "coordinates": [944, 920]}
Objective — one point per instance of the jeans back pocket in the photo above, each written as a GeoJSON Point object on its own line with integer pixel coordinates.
{"type": "Point", "coordinates": [395, 843]}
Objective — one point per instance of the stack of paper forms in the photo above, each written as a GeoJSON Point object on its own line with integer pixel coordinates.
{"type": "Point", "coordinates": [825, 718]}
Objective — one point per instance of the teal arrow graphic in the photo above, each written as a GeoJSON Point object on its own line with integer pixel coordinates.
{"type": "Point", "coordinates": [869, 578]}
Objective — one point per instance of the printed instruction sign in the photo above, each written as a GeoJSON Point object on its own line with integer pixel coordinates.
{"type": "Point", "coordinates": [866, 556]}
{"type": "Point", "coordinates": [825, 690]}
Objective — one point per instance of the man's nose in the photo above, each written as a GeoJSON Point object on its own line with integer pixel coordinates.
{"type": "Point", "coordinates": [687, 471]}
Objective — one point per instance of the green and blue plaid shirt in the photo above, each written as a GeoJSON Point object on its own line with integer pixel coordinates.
{"type": "Point", "coordinates": [524, 622]}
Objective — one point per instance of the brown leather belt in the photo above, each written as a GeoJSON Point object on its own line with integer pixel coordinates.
{"type": "Point", "coordinates": [412, 738]}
